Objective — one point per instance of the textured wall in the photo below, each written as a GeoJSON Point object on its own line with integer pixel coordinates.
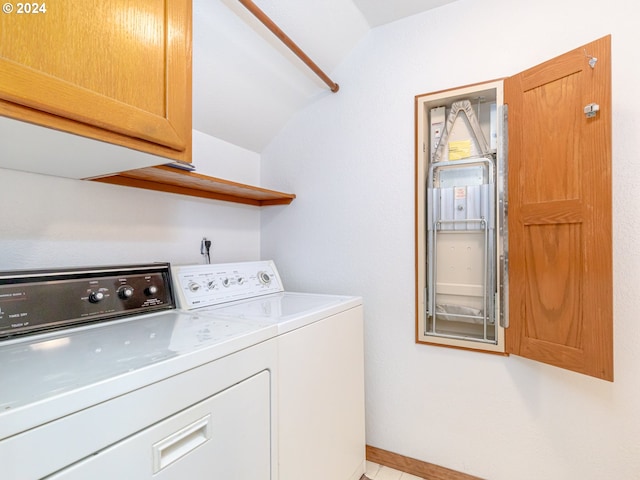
{"type": "Point", "coordinates": [50, 222]}
{"type": "Point", "coordinates": [349, 158]}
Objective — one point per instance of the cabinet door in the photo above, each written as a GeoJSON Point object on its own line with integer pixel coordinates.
{"type": "Point", "coordinates": [560, 247]}
{"type": "Point", "coordinates": [118, 71]}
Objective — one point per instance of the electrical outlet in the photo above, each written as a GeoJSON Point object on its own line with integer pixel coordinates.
{"type": "Point", "coordinates": [205, 249]}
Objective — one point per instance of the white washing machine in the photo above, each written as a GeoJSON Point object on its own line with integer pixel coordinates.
{"type": "Point", "coordinates": [320, 367]}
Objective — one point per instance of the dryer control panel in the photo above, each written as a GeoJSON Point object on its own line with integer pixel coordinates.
{"type": "Point", "coordinates": [38, 300]}
{"type": "Point", "coordinates": [212, 284]}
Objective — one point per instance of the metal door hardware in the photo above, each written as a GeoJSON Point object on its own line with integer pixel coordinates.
{"type": "Point", "coordinates": [592, 60]}
{"type": "Point", "coordinates": [591, 110]}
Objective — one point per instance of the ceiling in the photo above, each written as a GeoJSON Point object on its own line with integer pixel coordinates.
{"type": "Point", "coordinates": [379, 12]}
{"type": "Point", "coordinates": [247, 84]}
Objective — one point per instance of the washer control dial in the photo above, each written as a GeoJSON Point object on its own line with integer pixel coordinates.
{"type": "Point", "coordinates": [264, 278]}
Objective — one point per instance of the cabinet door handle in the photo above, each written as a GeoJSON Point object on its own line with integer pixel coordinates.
{"type": "Point", "coordinates": [180, 443]}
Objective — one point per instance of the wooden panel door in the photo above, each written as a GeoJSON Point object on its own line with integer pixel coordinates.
{"type": "Point", "coordinates": [118, 71]}
{"type": "Point", "coordinates": [560, 248]}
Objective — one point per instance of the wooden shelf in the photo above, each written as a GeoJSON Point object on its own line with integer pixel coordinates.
{"type": "Point", "coordinates": [173, 180]}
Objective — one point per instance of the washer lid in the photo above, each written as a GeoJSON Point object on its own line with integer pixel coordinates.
{"type": "Point", "coordinates": [287, 310]}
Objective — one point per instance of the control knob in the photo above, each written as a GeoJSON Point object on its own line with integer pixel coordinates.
{"type": "Point", "coordinates": [125, 292]}
{"type": "Point", "coordinates": [264, 278]}
{"type": "Point", "coordinates": [95, 297]}
{"type": "Point", "coordinates": [151, 290]}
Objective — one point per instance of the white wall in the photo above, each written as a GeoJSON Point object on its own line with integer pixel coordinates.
{"type": "Point", "coordinates": [49, 221]}
{"type": "Point", "coordinates": [349, 158]}
{"type": "Point", "coordinates": [246, 82]}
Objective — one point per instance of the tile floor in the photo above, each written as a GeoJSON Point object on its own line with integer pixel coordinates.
{"type": "Point", "coordinates": [380, 472]}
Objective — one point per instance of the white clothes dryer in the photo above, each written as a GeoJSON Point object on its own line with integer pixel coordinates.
{"type": "Point", "coordinates": [102, 378]}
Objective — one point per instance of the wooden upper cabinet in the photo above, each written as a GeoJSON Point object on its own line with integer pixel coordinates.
{"type": "Point", "coordinates": [559, 194]}
{"type": "Point", "coordinates": [118, 71]}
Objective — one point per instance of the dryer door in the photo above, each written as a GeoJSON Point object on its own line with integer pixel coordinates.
{"type": "Point", "coordinates": [212, 439]}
